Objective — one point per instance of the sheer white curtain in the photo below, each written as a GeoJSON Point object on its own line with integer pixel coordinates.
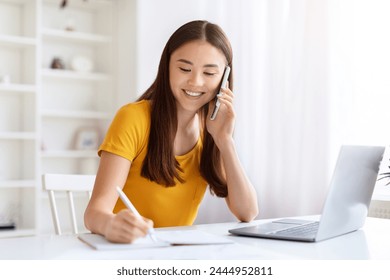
{"type": "Point", "coordinates": [359, 76]}
{"type": "Point", "coordinates": [281, 86]}
{"type": "Point", "coordinates": [282, 130]}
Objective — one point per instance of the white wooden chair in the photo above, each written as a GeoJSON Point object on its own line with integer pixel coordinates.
{"type": "Point", "coordinates": [69, 183]}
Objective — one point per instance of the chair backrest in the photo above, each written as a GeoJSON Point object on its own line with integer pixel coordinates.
{"type": "Point", "coordinates": [68, 183]}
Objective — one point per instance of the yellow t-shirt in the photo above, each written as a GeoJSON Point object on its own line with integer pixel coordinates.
{"type": "Point", "coordinates": [127, 137]}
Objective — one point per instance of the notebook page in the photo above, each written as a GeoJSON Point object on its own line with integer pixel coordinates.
{"type": "Point", "coordinates": [165, 238]}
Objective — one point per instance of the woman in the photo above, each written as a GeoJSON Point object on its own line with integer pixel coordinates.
{"type": "Point", "coordinates": [164, 150]}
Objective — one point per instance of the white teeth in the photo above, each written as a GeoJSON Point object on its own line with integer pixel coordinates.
{"type": "Point", "coordinates": [191, 93]}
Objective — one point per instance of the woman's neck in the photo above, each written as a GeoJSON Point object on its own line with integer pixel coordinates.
{"type": "Point", "coordinates": [187, 133]}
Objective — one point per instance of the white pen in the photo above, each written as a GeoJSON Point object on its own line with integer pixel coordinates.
{"type": "Point", "coordinates": [131, 207]}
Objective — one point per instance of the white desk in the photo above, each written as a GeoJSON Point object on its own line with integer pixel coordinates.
{"type": "Point", "coordinates": [371, 242]}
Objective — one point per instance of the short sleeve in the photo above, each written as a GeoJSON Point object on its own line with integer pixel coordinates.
{"type": "Point", "coordinates": [129, 131]}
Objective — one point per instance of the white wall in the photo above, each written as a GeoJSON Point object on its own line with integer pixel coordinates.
{"type": "Point", "coordinates": [360, 71]}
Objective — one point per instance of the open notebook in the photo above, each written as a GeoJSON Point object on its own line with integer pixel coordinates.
{"type": "Point", "coordinates": [165, 239]}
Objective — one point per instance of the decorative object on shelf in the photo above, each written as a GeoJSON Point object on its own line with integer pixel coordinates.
{"type": "Point", "coordinates": [87, 139]}
{"type": "Point", "coordinates": [64, 3]}
{"type": "Point", "coordinates": [7, 225]}
{"type": "Point", "coordinates": [70, 24]}
{"type": "Point", "coordinates": [7, 214]}
{"type": "Point", "coordinates": [5, 79]}
{"type": "Point", "coordinates": [57, 63]}
{"type": "Point", "coordinates": [43, 146]}
{"type": "Point", "coordinates": [81, 63]}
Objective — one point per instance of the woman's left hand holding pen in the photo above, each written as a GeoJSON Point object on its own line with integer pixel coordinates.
{"type": "Point", "coordinates": [125, 227]}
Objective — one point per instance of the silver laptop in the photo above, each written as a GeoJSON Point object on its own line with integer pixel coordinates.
{"type": "Point", "coordinates": [346, 205]}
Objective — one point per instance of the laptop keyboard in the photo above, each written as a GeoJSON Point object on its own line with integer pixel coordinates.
{"type": "Point", "coordinates": [303, 230]}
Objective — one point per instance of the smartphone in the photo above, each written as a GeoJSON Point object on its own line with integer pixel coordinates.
{"type": "Point", "coordinates": [223, 85]}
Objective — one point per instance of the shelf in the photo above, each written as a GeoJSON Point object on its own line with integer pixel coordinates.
{"type": "Point", "coordinates": [17, 88]}
{"type": "Point", "coordinates": [67, 74]}
{"type": "Point", "coordinates": [15, 1]}
{"type": "Point", "coordinates": [70, 154]}
{"type": "Point", "coordinates": [17, 184]}
{"type": "Point", "coordinates": [17, 232]}
{"type": "Point", "coordinates": [18, 135]}
{"type": "Point", "coordinates": [75, 36]}
{"type": "Point", "coordinates": [17, 41]}
{"type": "Point", "coordinates": [76, 114]}
{"type": "Point", "coordinates": [88, 4]}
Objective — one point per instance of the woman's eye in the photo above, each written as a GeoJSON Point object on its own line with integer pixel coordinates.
{"type": "Point", "coordinates": [209, 73]}
{"type": "Point", "coordinates": [184, 69]}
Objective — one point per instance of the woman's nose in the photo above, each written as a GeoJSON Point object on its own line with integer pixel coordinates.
{"type": "Point", "coordinates": [196, 79]}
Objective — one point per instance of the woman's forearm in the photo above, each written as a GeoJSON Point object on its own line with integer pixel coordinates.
{"type": "Point", "coordinates": [242, 198]}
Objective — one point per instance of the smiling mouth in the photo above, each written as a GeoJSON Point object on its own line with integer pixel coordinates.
{"type": "Point", "coordinates": [193, 93]}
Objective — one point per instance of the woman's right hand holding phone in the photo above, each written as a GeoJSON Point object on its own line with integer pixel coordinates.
{"type": "Point", "coordinates": [222, 127]}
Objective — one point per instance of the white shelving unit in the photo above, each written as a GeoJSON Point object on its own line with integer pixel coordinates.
{"type": "Point", "coordinates": [18, 106]}
{"type": "Point", "coordinates": [44, 112]}
{"type": "Point", "coordinates": [73, 100]}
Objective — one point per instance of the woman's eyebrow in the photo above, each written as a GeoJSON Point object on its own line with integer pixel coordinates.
{"type": "Point", "coordinates": [190, 63]}
{"type": "Point", "coordinates": [211, 65]}
{"type": "Point", "coordinates": [185, 61]}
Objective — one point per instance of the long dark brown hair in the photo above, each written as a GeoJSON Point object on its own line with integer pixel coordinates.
{"type": "Point", "coordinates": [160, 164]}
